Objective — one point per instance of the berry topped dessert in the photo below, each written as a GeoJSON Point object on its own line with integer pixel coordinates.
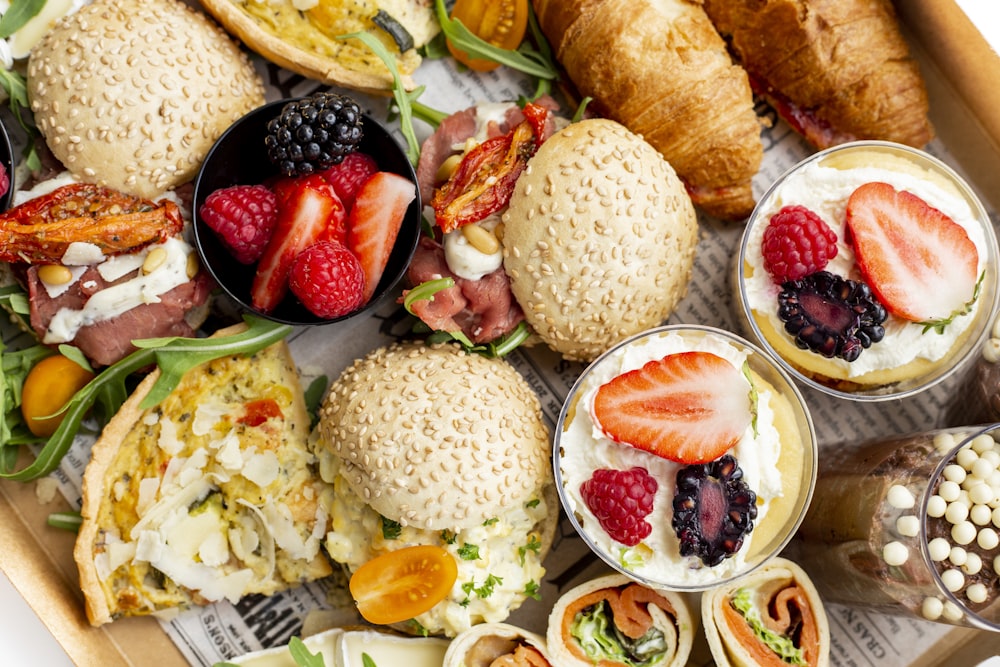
{"type": "Point", "coordinates": [869, 269]}
{"type": "Point", "coordinates": [684, 457]}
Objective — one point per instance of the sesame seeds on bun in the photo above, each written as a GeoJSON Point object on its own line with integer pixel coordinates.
{"type": "Point", "coordinates": [599, 239]}
{"type": "Point", "coordinates": [132, 94]}
{"type": "Point", "coordinates": [437, 438]}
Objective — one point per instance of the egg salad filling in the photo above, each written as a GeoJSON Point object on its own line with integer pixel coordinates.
{"type": "Point", "coordinates": [213, 494]}
{"type": "Point", "coordinates": [499, 561]}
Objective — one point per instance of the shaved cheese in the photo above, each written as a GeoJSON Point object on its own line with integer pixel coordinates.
{"type": "Point", "coordinates": [228, 452]}
{"type": "Point", "coordinates": [149, 546]}
{"type": "Point", "coordinates": [214, 550]}
{"type": "Point", "coordinates": [148, 488]}
{"type": "Point", "coordinates": [286, 536]}
{"type": "Point", "coordinates": [267, 544]}
{"type": "Point", "coordinates": [168, 440]}
{"type": "Point", "coordinates": [261, 469]}
{"type": "Point", "coordinates": [206, 416]}
{"type": "Point", "coordinates": [120, 553]}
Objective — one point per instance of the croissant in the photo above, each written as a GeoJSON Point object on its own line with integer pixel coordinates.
{"type": "Point", "coordinates": [660, 68]}
{"type": "Point", "coordinates": [836, 70]}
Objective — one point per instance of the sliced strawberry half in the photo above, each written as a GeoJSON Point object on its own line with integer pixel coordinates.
{"type": "Point", "coordinates": [307, 208]}
{"type": "Point", "coordinates": [919, 262]}
{"type": "Point", "coordinates": [689, 407]}
{"type": "Point", "coordinates": [374, 222]}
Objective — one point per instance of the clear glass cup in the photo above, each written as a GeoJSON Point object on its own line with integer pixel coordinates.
{"type": "Point", "coordinates": [910, 358]}
{"type": "Point", "coordinates": [778, 461]}
{"type": "Point", "coordinates": [909, 524]}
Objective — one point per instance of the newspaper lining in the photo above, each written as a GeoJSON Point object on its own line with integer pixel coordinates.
{"type": "Point", "coordinates": [222, 631]}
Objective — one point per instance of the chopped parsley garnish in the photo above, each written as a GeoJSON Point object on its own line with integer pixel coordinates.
{"type": "Point", "coordinates": [534, 544]}
{"type": "Point", "coordinates": [391, 530]}
{"type": "Point", "coordinates": [468, 551]}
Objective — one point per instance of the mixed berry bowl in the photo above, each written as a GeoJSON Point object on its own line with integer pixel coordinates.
{"type": "Point", "coordinates": [869, 270]}
{"type": "Point", "coordinates": [306, 210]}
{"type": "Point", "coordinates": [685, 457]}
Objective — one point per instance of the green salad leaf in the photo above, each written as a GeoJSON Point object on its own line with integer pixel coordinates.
{"type": "Point", "coordinates": [782, 646]}
{"type": "Point", "coordinates": [594, 629]}
{"type": "Point", "coordinates": [17, 15]}
{"type": "Point", "coordinates": [108, 390]}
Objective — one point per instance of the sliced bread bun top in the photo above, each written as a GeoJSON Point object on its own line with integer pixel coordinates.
{"type": "Point", "coordinates": [132, 94]}
{"type": "Point", "coordinates": [437, 438]}
{"type": "Point", "coordinates": [599, 238]}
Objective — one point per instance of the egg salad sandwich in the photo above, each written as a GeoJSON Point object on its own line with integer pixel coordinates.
{"type": "Point", "coordinates": [210, 495]}
{"type": "Point", "coordinates": [444, 505]}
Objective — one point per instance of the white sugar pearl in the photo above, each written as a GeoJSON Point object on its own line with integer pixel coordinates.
{"type": "Point", "coordinates": [988, 539]}
{"type": "Point", "coordinates": [909, 525]}
{"type": "Point", "coordinates": [982, 443]}
{"type": "Point", "coordinates": [977, 593]}
{"type": "Point", "coordinates": [952, 611]}
{"type": "Point", "coordinates": [944, 442]}
{"type": "Point", "coordinates": [991, 350]}
{"type": "Point", "coordinates": [981, 493]}
{"type": "Point", "coordinates": [954, 473]}
{"type": "Point", "coordinates": [996, 564]}
{"type": "Point", "coordinates": [936, 506]}
{"type": "Point", "coordinates": [994, 479]}
{"type": "Point", "coordinates": [957, 556]}
{"type": "Point", "coordinates": [949, 491]}
{"type": "Point", "coordinates": [953, 580]}
{"type": "Point", "coordinates": [938, 549]}
{"type": "Point", "coordinates": [900, 497]}
{"type": "Point", "coordinates": [995, 331]}
{"type": "Point", "coordinates": [973, 564]}
{"type": "Point", "coordinates": [983, 468]}
{"type": "Point", "coordinates": [981, 514]}
{"type": "Point", "coordinates": [963, 532]}
{"type": "Point", "coordinates": [895, 553]}
{"type": "Point", "coordinates": [991, 456]}
{"type": "Point", "coordinates": [966, 457]}
{"type": "Point", "coordinates": [957, 512]}
{"type": "Point", "coordinates": [995, 517]}
{"type": "Point", "coordinates": [931, 608]}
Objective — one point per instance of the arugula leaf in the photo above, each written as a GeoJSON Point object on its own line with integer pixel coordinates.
{"type": "Point", "coordinates": [366, 661]}
{"type": "Point", "coordinates": [17, 90]}
{"type": "Point", "coordinates": [106, 392]}
{"type": "Point", "coordinates": [525, 59]}
{"type": "Point", "coordinates": [302, 656]}
{"type": "Point", "coordinates": [19, 13]}
{"type": "Point", "coordinates": [399, 93]}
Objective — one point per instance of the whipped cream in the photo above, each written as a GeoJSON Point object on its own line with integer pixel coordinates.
{"type": "Point", "coordinates": [584, 448]}
{"type": "Point", "coordinates": [825, 190]}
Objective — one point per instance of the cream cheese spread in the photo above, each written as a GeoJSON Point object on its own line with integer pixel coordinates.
{"type": "Point", "coordinates": [584, 448]}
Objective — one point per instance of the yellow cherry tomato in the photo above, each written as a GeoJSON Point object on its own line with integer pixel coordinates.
{"type": "Point", "coordinates": [49, 386]}
{"type": "Point", "coordinates": [401, 584]}
{"type": "Point", "coordinates": [502, 23]}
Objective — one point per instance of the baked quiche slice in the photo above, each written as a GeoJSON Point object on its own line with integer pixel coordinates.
{"type": "Point", "coordinates": [304, 36]}
{"type": "Point", "coordinates": [211, 495]}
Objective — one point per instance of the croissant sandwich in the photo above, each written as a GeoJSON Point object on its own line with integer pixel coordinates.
{"type": "Point", "coordinates": [611, 620]}
{"type": "Point", "coordinates": [835, 70]}
{"type": "Point", "coordinates": [664, 72]}
{"type": "Point", "coordinates": [773, 616]}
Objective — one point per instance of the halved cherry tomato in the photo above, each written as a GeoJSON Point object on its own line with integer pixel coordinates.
{"type": "Point", "coordinates": [47, 388]}
{"type": "Point", "coordinates": [502, 23]}
{"type": "Point", "coordinates": [401, 584]}
{"type": "Point", "coordinates": [259, 411]}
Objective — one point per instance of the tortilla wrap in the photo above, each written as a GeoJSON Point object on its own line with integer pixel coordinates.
{"type": "Point", "coordinates": [658, 622]}
{"type": "Point", "coordinates": [482, 644]}
{"type": "Point", "coordinates": [783, 597]}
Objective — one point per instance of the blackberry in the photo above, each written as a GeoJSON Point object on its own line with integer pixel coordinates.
{"type": "Point", "coordinates": [313, 133]}
{"type": "Point", "coordinates": [831, 315]}
{"type": "Point", "coordinates": [714, 510]}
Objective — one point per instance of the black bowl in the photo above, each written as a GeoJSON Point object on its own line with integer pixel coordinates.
{"type": "Point", "coordinates": [240, 158]}
{"type": "Point", "coordinates": [7, 160]}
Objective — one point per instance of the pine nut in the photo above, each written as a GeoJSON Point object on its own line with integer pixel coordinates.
{"type": "Point", "coordinates": [154, 260]}
{"type": "Point", "coordinates": [481, 239]}
{"type": "Point", "coordinates": [191, 269]}
{"type": "Point", "coordinates": [447, 168]}
{"type": "Point", "coordinates": [54, 274]}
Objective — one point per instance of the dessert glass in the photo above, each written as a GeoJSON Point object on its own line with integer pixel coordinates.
{"type": "Point", "coordinates": [778, 461]}
{"type": "Point", "coordinates": [911, 357]}
{"type": "Point", "coordinates": [909, 524]}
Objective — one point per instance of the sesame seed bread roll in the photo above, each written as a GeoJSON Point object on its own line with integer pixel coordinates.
{"type": "Point", "coordinates": [783, 619]}
{"type": "Point", "coordinates": [612, 620]}
{"type": "Point", "coordinates": [599, 238]}
{"type": "Point", "coordinates": [484, 644]}
{"type": "Point", "coordinates": [132, 94]}
{"type": "Point", "coordinates": [437, 438]}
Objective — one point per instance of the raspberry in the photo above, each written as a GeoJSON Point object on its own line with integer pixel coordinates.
{"type": "Point", "coordinates": [348, 176]}
{"type": "Point", "coordinates": [327, 278]}
{"type": "Point", "coordinates": [796, 243]}
{"type": "Point", "coordinates": [4, 180]}
{"type": "Point", "coordinates": [621, 500]}
{"type": "Point", "coordinates": [243, 217]}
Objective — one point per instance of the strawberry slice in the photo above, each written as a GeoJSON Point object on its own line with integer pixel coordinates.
{"type": "Point", "coordinates": [919, 262]}
{"type": "Point", "coordinates": [374, 222]}
{"type": "Point", "coordinates": [689, 407]}
{"type": "Point", "coordinates": [307, 207]}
